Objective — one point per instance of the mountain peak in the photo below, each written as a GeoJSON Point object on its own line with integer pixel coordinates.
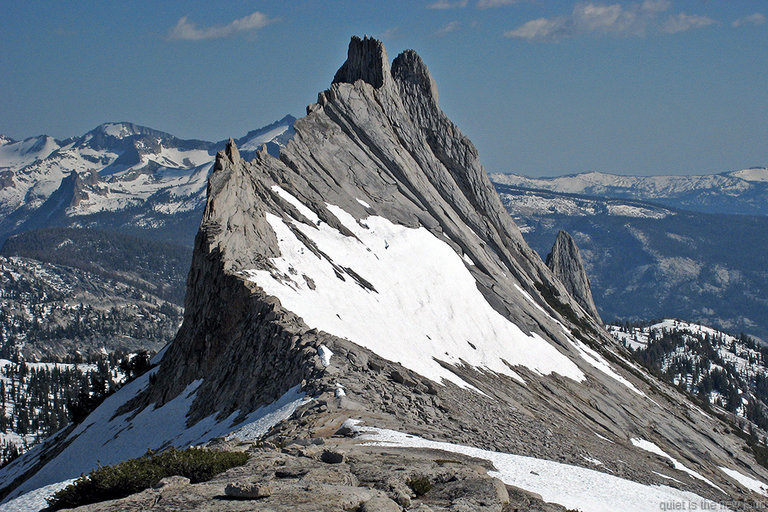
{"type": "Point", "coordinates": [367, 61]}
{"type": "Point", "coordinates": [231, 151]}
{"type": "Point", "coordinates": [119, 130]}
{"type": "Point", "coordinates": [372, 270]}
{"type": "Point", "coordinates": [565, 262]}
{"type": "Point", "coordinates": [409, 68]}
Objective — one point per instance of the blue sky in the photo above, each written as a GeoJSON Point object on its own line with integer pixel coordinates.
{"type": "Point", "coordinates": [542, 87]}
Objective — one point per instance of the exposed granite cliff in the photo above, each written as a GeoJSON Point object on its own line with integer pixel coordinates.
{"type": "Point", "coordinates": [565, 262]}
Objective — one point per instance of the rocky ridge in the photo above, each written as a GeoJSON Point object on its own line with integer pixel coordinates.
{"type": "Point", "coordinates": [338, 473]}
{"type": "Point", "coordinates": [376, 162]}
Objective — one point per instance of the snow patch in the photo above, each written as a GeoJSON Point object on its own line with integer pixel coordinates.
{"type": "Point", "coordinates": [392, 288]}
{"type": "Point", "coordinates": [650, 447]}
{"type": "Point", "coordinates": [754, 174]}
{"type": "Point", "coordinates": [34, 500]}
{"type": "Point", "coordinates": [106, 439]}
{"type": "Point", "coordinates": [262, 419]}
{"type": "Point", "coordinates": [748, 482]}
{"type": "Point", "coordinates": [573, 487]}
{"type": "Point", "coordinates": [325, 355]}
{"type": "Point", "coordinates": [306, 212]}
{"type": "Point", "coordinates": [598, 362]}
{"type": "Point", "coordinates": [257, 141]}
{"type": "Point", "coordinates": [662, 475]}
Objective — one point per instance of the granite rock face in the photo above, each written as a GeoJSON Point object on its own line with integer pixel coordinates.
{"type": "Point", "coordinates": [376, 155]}
{"type": "Point", "coordinates": [565, 262]}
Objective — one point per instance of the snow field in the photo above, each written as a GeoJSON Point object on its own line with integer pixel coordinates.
{"type": "Point", "coordinates": [573, 487]}
{"type": "Point", "coordinates": [422, 296]}
{"type": "Point", "coordinates": [651, 447]}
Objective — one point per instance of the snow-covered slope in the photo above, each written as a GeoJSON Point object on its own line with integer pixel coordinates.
{"type": "Point", "coordinates": [743, 191]}
{"type": "Point", "coordinates": [123, 435]}
{"type": "Point", "coordinates": [118, 175]}
{"type": "Point", "coordinates": [14, 155]}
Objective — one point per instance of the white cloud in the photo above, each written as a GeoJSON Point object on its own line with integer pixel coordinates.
{"type": "Point", "coordinates": [753, 19]}
{"type": "Point", "coordinates": [446, 4]}
{"type": "Point", "coordinates": [631, 19]}
{"type": "Point", "coordinates": [449, 27]}
{"type": "Point", "coordinates": [683, 22]}
{"type": "Point", "coordinates": [540, 29]}
{"type": "Point", "coordinates": [489, 4]}
{"type": "Point", "coordinates": [186, 30]}
{"type": "Point", "coordinates": [599, 18]}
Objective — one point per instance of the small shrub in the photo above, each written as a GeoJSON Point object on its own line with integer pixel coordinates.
{"type": "Point", "coordinates": [419, 484]}
{"type": "Point", "coordinates": [135, 475]}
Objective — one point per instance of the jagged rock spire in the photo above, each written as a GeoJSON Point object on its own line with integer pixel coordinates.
{"type": "Point", "coordinates": [409, 68]}
{"type": "Point", "coordinates": [231, 151]}
{"type": "Point", "coordinates": [565, 262]}
{"type": "Point", "coordinates": [367, 61]}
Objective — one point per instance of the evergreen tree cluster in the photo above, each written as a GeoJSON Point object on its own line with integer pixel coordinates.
{"type": "Point", "coordinates": [38, 399]}
{"type": "Point", "coordinates": [52, 310]}
{"type": "Point", "coordinates": [55, 321]}
{"type": "Point", "coordinates": [730, 372]}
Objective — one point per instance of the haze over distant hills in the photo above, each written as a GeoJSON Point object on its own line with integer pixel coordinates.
{"type": "Point", "coordinates": [686, 246]}
{"type": "Point", "coordinates": [743, 191]}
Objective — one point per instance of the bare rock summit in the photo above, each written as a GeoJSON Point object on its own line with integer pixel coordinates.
{"type": "Point", "coordinates": [565, 262]}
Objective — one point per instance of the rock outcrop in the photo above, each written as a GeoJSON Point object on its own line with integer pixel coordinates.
{"type": "Point", "coordinates": [565, 262]}
{"type": "Point", "coordinates": [372, 270]}
{"type": "Point", "coordinates": [371, 479]}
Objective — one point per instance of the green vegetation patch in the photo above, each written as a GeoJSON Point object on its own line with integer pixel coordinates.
{"type": "Point", "coordinates": [134, 475]}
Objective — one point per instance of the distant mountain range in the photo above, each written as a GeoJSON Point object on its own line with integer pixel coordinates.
{"type": "Point", "coordinates": [686, 246]}
{"type": "Point", "coordinates": [118, 176]}
{"type": "Point", "coordinates": [737, 192]}
{"type": "Point", "coordinates": [646, 260]}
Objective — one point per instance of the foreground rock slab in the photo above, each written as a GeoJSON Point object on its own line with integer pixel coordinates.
{"type": "Point", "coordinates": [370, 479]}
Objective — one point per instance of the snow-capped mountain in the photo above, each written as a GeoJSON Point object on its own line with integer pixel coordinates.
{"type": "Point", "coordinates": [118, 175]}
{"type": "Point", "coordinates": [370, 280]}
{"type": "Point", "coordinates": [738, 192]}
